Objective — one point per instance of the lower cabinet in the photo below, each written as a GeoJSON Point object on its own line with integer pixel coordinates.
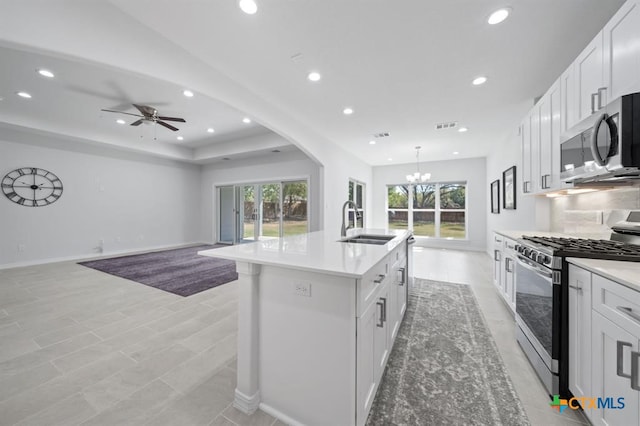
{"type": "Point", "coordinates": [377, 328]}
{"type": "Point", "coordinates": [604, 348]}
{"type": "Point", "coordinates": [612, 368]}
{"type": "Point", "coordinates": [579, 331]}
{"type": "Point", "coordinates": [504, 257]}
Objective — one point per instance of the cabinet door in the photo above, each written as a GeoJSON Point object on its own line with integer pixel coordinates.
{"type": "Point", "coordinates": [569, 107]}
{"type": "Point", "coordinates": [509, 282]}
{"type": "Point", "coordinates": [366, 371]}
{"type": "Point", "coordinates": [579, 332]}
{"type": "Point", "coordinates": [611, 362]}
{"type": "Point", "coordinates": [526, 155]}
{"type": "Point", "coordinates": [549, 139]}
{"type": "Point", "coordinates": [622, 51]}
{"type": "Point", "coordinates": [381, 334]}
{"type": "Point", "coordinates": [589, 77]}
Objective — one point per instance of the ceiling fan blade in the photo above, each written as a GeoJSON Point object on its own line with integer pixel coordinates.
{"type": "Point", "coordinates": [168, 126]}
{"type": "Point", "coordinates": [172, 119]}
{"type": "Point", "coordinates": [137, 123]}
{"type": "Point", "coordinates": [120, 112]}
{"type": "Point", "coordinates": [147, 111]}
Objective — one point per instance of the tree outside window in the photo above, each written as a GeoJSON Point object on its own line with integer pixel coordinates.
{"type": "Point", "coordinates": [436, 210]}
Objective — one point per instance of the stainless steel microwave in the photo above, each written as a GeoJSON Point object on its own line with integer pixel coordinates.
{"type": "Point", "coordinates": [604, 147]}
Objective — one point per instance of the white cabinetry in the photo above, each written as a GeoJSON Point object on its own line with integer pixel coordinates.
{"type": "Point", "coordinates": [568, 108]}
{"type": "Point", "coordinates": [382, 293]}
{"type": "Point", "coordinates": [604, 347]}
{"type": "Point", "coordinates": [579, 331]}
{"type": "Point", "coordinates": [589, 69]}
{"type": "Point", "coordinates": [621, 37]}
{"type": "Point", "coordinates": [616, 357]}
{"type": "Point", "coordinates": [503, 269]}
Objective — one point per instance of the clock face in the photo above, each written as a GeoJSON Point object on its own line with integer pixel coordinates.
{"type": "Point", "coordinates": [32, 187]}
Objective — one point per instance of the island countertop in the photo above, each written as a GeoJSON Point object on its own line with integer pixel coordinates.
{"type": "Point", "coordinates": [315, 251]}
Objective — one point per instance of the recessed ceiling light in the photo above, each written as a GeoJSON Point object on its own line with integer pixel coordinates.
{"type": "Point", "coordinates": [45, 73]}
{"type": "Point", "coordinates": [347, 111]}
{"type": "Point", "coordinates": [455, 153]}
{"type": "Point", "coordinates": [314, 76]}
{"type": "Point", "coordinates": [120, 121]}
{"type": "Point", "coordinates": [246, 120]}
{"type": "Point", "coordinates": [389, 159]}
{"type": "Point", "coordinates": [462, 129]}
{"type": "Point", "coordinates": [479, 80]}
{"type": "Point", "coordinates": [24, 95]}
{"type": "Point", "coordinates": [210, 130]}
{"type": "Point", "coordinates": [498, 16]}
{"type": "Point", "coordinates": [372, 142]}
{"type": "Point", "coordinates": [248, 6]}
{"type": "Point", "coordinates": [180, 138]}
{"type": "Point", "coordinates": [188, 93]}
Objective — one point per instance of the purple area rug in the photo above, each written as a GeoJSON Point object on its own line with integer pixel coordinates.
{"type": "Point", "coordinates": [179, 271]}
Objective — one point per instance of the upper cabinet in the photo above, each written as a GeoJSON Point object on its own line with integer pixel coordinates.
{"type": "Point", "coordinates": [606, 69]}
{"type": "Point", "coordinates": [621, 56]}
{"type": "Point", "coordinates": [589, 69]}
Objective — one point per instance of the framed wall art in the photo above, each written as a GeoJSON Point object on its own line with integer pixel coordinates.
{"type": "Point", "coordinates": [509, 188]}
{"type": "Point", "coordinates": [495, 196]}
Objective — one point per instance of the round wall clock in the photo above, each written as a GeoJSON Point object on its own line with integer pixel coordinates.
{"type": "Point", "coordinates": [32, 187]}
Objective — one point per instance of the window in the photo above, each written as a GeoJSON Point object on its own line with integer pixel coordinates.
{"type": "Point", "coordinates": [436, 210]}
{"type": "Point", "coordinates": [356, 194]}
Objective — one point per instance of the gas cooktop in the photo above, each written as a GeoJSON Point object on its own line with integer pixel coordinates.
{"type": "Point", "coordinates": [593, 249]}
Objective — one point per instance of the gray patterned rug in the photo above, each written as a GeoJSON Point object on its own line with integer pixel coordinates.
{"type": "Point", "coordinates": [179, 271]}
{"type": "Point", "coordinates": [445, 368]}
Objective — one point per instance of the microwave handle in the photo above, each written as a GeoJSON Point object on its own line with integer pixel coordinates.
{"type": "Point", "coordinates": [594, 141]}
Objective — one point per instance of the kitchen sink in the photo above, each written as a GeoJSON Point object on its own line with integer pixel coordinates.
{"type": "Point", "coordinates": [369, 239]}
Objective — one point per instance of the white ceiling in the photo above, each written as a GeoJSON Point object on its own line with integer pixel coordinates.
{"type": "Point", "coordinates": [403, 66]}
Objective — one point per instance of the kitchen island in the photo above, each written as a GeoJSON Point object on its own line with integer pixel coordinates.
{"type": "Point", "coordinates": [317, 321]}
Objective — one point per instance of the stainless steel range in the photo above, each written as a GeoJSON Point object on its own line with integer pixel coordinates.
{"type": "Point", "coordinates": [542, 293]}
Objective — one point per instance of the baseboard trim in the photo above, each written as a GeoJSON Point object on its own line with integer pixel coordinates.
{"type": "Point", "coordinates": [104, 255]}
{"type": "Point", "coordinates": [279, 415]}
{"type": "Point", "coordinates": [247, 404]}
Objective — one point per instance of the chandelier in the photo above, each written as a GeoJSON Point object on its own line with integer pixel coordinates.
{"type": "Point", "coordinates": [417, 176]}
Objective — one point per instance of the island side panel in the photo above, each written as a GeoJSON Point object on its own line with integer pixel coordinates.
{"type": "Point", "coordinates": [307, 350]}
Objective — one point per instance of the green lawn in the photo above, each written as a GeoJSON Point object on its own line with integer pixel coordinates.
{"type": "Point", "coordinates": [447, 230]}
{"type": "Point", "coordinates": [271, 229]}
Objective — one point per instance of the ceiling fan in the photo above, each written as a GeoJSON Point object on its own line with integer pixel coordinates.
{"type": "Point", "coordinates": [150, 114]}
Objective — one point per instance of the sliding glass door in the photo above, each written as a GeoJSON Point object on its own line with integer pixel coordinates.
{"type": "Point", "coordinates": [262, 211]}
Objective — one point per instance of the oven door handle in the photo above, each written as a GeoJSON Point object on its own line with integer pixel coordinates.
{"type": "Point", "coordinates": [527, 265]}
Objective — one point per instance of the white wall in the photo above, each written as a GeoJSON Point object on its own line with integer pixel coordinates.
{"type": "Point", "coordinates": [129, 201]}
{"type": "Point", "coordinates": [470, 170]}
{"type": "Point", "coordinates": [272, 167]}
{"type": "Point", "coordinates": [532, 212]}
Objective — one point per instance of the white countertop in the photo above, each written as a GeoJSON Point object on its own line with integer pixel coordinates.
{"type": "Point", "coordinates": [315, 251]}
{"type": "Point", "coordinates": [625, 273]}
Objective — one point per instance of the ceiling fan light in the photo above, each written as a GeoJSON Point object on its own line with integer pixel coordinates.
{"type": "Point", "coordinates": [120, 121]}
{"type": "Point", "coordinates": [248, 6]}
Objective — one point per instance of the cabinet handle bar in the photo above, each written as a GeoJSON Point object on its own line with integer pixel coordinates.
{"type": "Point", "coordinates": [620, 359]}
{"type": "Point", "coordinates": [629, 312]}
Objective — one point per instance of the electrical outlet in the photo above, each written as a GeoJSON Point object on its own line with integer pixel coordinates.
{"type": "Point", "coordinates": [302, 289]}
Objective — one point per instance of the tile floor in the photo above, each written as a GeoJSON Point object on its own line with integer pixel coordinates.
{"type": "Point", "coordinates": [78, 346]}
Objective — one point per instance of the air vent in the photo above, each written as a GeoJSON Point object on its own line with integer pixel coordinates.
{"type": "Point", "coordinates": [449, 125]}
{"type": "Point", "coordinates": [381, 135]}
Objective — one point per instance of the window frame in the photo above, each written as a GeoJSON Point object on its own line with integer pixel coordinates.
{"type": "Point", "coordinates": [437, 210]}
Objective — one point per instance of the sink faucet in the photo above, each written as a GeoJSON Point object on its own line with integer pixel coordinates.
{"type": "Point", "coordinates": [357, 215]}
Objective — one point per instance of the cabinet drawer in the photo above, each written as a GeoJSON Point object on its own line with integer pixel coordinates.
{"type": "Point", "coordinates": [618, 303]}
{"type": "Point", "coordinates": [371, 283]}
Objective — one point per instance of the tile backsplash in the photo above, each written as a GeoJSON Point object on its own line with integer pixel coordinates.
{"type": "Point", "coordinates": [592, 214]}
